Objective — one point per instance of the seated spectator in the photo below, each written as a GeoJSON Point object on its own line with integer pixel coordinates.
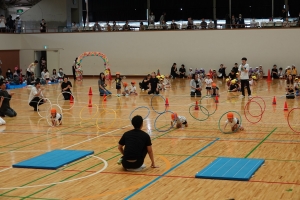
{"type": "Point", "coordinates": [164, 25]}
{"type": "Point", "coordinates": [203, 24]}
{"type": "Point", "coordinates": [54, 77]}
{"type": "Point", "coordinates": [30, 80]}
{"type": "Point", "coordinates": [294, 71]}
{"type": "Point", "coordinates": [126, 26]}
{"type": "Point", "coordinates": [142, 27]}
{"type": "Point", "coordinates": [174, 25]}
{"type": "Point", "coordinates": [108, 27]}
{"type": "Point", "coordinates": [182, 71]}
{"type": "Point", "coordinates": [9, 75]}
{"type": "Point", "coordinates": [286, 23]}
{"type": "Point", "coordinates": [145, 83]}
{"type": "Point", "coordinates": [5, 108]}
{"type": "Point", "coordinates": [66, 87]}
{"type": "Point", "coordinates": [60, 74]}
{"type": "Point", "coordinates": [296, 86]}
{"type": "Point", "coordinates": [233, 86]}
{"type": "Point", "coordinates": [235, 67]}
{"type": "Point", "coordinates": [174, 71]}
{"type": "Point", "coordinates": [261, 71]}
{"type": "Point", "coordinates": [211, 24]}
{"type": "Point", "coordinates": [96, 27]}
{"type": "Point", "coordinates": [253, 23]}
{"type": "Point", "coordinates": [190, 23]}
{"type": "Point", "coordinates": [232, 75]}
{"type": "Point", "coordinates": [289, 85]}
{"type": "Point", "coordinates": [240, 22]}
{"type": "Point", "coordinates": [274, 72]}
{"type": "Point", "coordinates": [281, 73]}
{"type": "Point", "coordinates": [115, 27]}
{"type": "Point", "coordinates": [190, 73]}
{"type": "Point", "coordinates": [74, 27]}
{"type": "Point", "coordinates": [288, 71]}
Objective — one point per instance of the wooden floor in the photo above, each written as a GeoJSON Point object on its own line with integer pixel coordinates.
{"type": "Point", "coordinates": [99, 129]}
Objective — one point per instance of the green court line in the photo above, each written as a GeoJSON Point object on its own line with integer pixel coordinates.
{"type": "Point", "coordinates": [29, 197]}
{"type": "Point", "coordinates": [260, 143]}
{"type": "Point", "coordinates": [89, 167]}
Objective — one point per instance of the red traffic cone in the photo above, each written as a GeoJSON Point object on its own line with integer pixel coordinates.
{"type": "Point", "coordinates": [71, 99]}
{"type": "Point", "coordinates": [104, 97]}
{"type": "Point", "coordinates": [167, 102]}
{"type": "Point", "coordinates": [158, 73]}
{"type": "Point", "coordinates": [285, 106]}
{"type": "Point", "coordinates": [90, 103]}
{"type": "Point", "coordinates": [274, 100]}
{"type": "Point", "coordinates": [269, 76]}
{"type": "Point", "coordinates": [196, 106]}
{"type": "Point", "coordinates": [217, 99]}
{"type": "Point", "coordinates": [90, 91]}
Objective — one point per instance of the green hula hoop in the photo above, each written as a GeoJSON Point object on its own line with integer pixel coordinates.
{"type": "Point", "coordinates": [207, 115]}
{"type": "Point", "coordinates": [219, 124]}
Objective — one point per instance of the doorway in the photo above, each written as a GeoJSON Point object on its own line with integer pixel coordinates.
{"type": "Point", "coordinates": [38, 55]}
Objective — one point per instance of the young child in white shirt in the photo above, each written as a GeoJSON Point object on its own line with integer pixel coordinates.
{"type": "Point", "coordinates": [55, 118]}
{"type": "Point", "coordinates": [233, 122]}
{"type": "Point", "coordinates": [126, 91]}
{"type": "Point", "coordinates": [166, 82]}
{"type": "Point", "coordinates": [178, 121]}
{"type": "Point", "coordinates": [133, 88]}
{"type": "Point", "coordinates": [190, 73]}
{"type": "Point", "coordinates": [208, 82]}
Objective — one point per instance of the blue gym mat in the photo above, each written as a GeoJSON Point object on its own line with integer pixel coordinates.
{"type": "Point", "coordinates": [240, 169]}
{"type": "Point", "coordinates": [53, 159]}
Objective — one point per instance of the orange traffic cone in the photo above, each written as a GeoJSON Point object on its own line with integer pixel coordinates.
{"type": "Point", "coordinates": [104, 97]}
{"type": "Point", "coordinates": [269, 76]}
{"type": "Point", "coordinates": [217, 99]}
{"type": "Point", "coordinates": [285, 106]}
{"type": "Point", "coordinates": [90, 103]}
{"type": "Point", "coordinates": [274, 101]}
{"type": "Point", "coordinates": [71, 99]}
{"type": "Point", "coordinates": [158, 73]}
{"type": "Point", "coordinates": [90, 91]}
{"type": "Point", "coordinates": [167, 102]}
{"type": "Point", "coordinates": [196, 106]}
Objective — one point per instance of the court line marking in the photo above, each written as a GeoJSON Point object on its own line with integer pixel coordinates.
{"type": "Point", "coordinates": [60, 182]}
{"type": "Point", "coordinates": [5, 169]}
{"type": "Point", "coordinates": [174, 167]}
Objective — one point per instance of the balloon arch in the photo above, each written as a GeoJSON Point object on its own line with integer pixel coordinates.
{"type": "Point", "coordinates": [79, 71]}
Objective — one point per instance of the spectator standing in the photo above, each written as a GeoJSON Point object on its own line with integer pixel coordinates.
{"type": "Point", "coordinates": [96, 27]}
{"type": "Point", "coordinates": [240, 21]}
{"type": "Point", "coordinates": [233, 22]}
{"type": "Point", "coordinates": [10, 24]}
{"type": "Point", "coordinates": [244, 76]}
{"type": "Point", "coordinates": [283, 15]}
{"type": "Point", "coordinates": [190, 23]}
{"type": "Point", "coordinates": [151, 18]}
{"type": "Point", "coordinates": [43, 26]}
{"type": "Point", "coordinates": [211, 24]}
{"type": "Point", "coordinates": [43, 64]}
{"type": "Point", "coordinates": [2, 24]}
{"type": "Point", "coordinates": [162, 18]}
{"type": "Point", "coordinates": [203, 24]}
{"type": "Point", "coordinates": [126, 26]}
{"type": "Point", "coordinates": [18, 24]}
{"type": "Point", "coordinates": [115, 27]}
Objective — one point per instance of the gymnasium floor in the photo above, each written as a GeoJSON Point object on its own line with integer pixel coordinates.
{"type": "Point", "coordinates": [179, 153]}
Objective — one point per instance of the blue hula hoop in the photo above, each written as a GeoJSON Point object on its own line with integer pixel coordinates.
{"type": "Point", "coordinates": [152, 105]}
{"type": "Point", "coordinates": [158, 117]}
{"type": "Point", "coordinates": [139, 108]}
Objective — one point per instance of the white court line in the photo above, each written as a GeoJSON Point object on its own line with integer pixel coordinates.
{"type": "Point", "coordinates": [95, 137]}
{"type": "Point", "coordinates": [55, 183]}
{"type": "Point", "coordinates": [5, 169]}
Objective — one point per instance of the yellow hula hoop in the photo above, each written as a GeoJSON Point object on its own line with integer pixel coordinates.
{"type": "Point", "coordinates": [90, 117]}
{"type": "Point", "coordinates": [114, 112]}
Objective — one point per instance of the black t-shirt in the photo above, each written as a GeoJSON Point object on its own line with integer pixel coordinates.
{"type": "Point", "coordinates": [232, 76]}
{"type": "Point", "coordinates": [136, 142]}
{"type": "Point", "coordinates": [64, 85]}
{"type": "Point", "coordinates": [232, 87]}
{"type": "Point", "coordinates": [235, 69]}
{"type": "Point", "coordinates": [153, 82]}
{"type": "Point", "coordinates": [182, 70]}
{"type": "Point", "coordinates": [145, 81]}
{"type": "Point", "coordinates": [118, 82]}
{"type": "Point", "coordinates": [5, 103]}
{"type": "Point", "coordinates": [274, 70]}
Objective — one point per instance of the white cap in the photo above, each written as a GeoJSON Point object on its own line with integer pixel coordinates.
{"type": "Point", "coordinates": [256, 67]}
{"type": "Point", "coordinates": [293, 65]}
{"type": "Point", "coordinates": [288, 67]}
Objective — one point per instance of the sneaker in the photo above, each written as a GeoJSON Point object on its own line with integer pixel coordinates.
{"type": "Point", "coordinates": [120, 161]}
{"type": "Point", "coordinates": [242, 96]}
{"type": "Point", "coordinates": [143, 90]}
{"type": "Point", "coordinates": [127, 95]}
{"type": "Point", "coordinates": [138, 169]}
{"type": "Point", "coordinates": [249, 96]}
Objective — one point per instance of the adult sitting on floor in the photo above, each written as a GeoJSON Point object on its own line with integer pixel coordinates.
{"type": "Point", "coordinates": [5, 108]}
{"type": "Point", "coordinates": [137, 144]}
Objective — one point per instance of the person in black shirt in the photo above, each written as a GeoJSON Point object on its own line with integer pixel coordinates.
{"type": "Point", "coordinates": [274, 73]}
{"type": "Point", "coordinates": [235, 68]}
{"type": "Point", "coordinates": [232, 75]}
{"type": "Point", "coordinates": [5, 108]}
{"type": "Point", "coordinates": [182, 71]}
{"type": "Point", "coordinates": [74, 68]}
{"type": "Point", "coordinates": [137, 144]}
{"type": "Point", "coordinates": [9, 74]}
{"type": "Point", "coordinates": [66, 88]}
{"type": "Point", "coordinates": [153, 84]}
{"type": "Point", "coordinates": [222, 71]}
{"type": "Point", "coordinates": [144, 84]}
{"type": "Point", "coordinates": [174, 71]}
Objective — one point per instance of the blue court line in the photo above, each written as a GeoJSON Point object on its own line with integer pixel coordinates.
{"type": "Point", "coordinates": [171, 169]}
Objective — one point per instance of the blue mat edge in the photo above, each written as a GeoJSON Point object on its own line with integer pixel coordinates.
{"type": "Point", "coordinates": [31, 167]}
{"type": "Point", "coordinates": [232, 179]}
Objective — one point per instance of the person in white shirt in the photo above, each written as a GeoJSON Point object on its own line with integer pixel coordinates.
{"type": "Point", "coordinates": [178, 121]}
{"type": "Point", "coordinates": [126, 91]}
{"type": "Point", "coordinates": [36, 97]}
{"type": "Point", "coordinates": [167, 83]}
{"type": "Point", "coordinates": [208, 82]}
{"type": "Point", "coordinates": [55, 117]}
{"type": "Point", "coordinates": [244, 77]}
{"type": "Point", "coordinates": [31, 68]}
{"type": "Point", "coordinates": [233, 122]}
{"type": "Point", "coordinates": [133, 88]}
{"type": "Point", "coordinates": [195, 85]}
{"type": "Point", "coordinates": [47, 76]}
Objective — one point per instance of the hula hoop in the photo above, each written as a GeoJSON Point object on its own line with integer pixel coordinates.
{"type": "Point", "coordinates": [240, 123]}
{"type": "Point", "coordinates": [61, 112]}
{"type": "Point", "coordinates": [111, 122]}
{"type": "Point", "coordinates": [158, 117]}
{"type": "Point", "coordinates": [72, 103]}
{"type": "Point", "coordinates": [260, 116]}
{"type": "Point", "coordinates": [247, 106]}
{"type": "Point", "coordinates": [207, 115]}
{"type": "Point", "coordinates": [207, 109]}
{"type": "Point", "coordinates": [289, 120]}
{"type": "Point", "coordinates": [139, 108]}
{"type": "Point", "coordinates": [90, 117]}
{"type": "Point", "coordinates": [48, 111]}
{"type": "Point", "coordinates": [152, 105]}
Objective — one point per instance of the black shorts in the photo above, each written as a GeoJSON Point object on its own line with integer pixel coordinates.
{"type": "Point", "coordinates": [118, 87]}
{"type": "Point", "coordinates": [185, 122]}
{"type": "Point", "coordinates": [47, 79]}
{"type": "Point", "coordinates": [238, 121]}
{"type": "Point", "coordinates": [208, 88]}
